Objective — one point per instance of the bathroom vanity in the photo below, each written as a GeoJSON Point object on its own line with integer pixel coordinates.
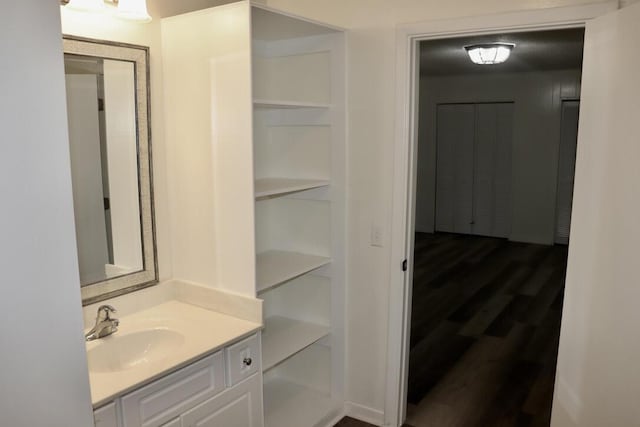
{"type": "Point", "coordinates": [176, 364]}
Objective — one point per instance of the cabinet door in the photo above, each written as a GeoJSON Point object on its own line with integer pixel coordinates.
{"type": "Point", "coordinates": [106, 416]}
{"type": "Point", "coordinates": [239, 406]}
{"type": "Point", "coordinates": [164, 399]}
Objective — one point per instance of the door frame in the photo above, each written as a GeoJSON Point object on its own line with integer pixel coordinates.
{"type": "Point", "coordinates": [405, 164]}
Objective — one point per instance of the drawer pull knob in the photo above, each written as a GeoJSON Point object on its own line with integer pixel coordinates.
{"type": "Point", "coordinates": [247, 361]}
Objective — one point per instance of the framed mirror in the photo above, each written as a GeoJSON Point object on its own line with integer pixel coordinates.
{"type": "Point", "coordinates": [107, 87]}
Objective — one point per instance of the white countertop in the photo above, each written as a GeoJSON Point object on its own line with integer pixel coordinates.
{"type": "Point", "coordinates": [204, 332]}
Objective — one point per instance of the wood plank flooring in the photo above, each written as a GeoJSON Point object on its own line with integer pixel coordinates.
{"type": "Point", "coordinates": [351, 422]}
{"type": "Point", "coordinates": [485, 328]}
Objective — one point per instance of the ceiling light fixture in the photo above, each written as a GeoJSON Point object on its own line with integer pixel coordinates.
{"type": "Point", "coordinates": [131, 10]}
{"type": "Point", "coordinates": [489, 53]}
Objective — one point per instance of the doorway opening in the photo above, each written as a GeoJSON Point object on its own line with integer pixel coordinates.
{"type": "Point", "coordinates": [495, 167]}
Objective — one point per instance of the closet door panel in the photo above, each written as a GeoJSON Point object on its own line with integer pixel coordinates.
{"type": "Point", "coordinates": [483, 171]}
{"type": "Point", "coordinates": [503, 170]}
{"type": "Point", "coordinates": [492, 170]}
{"type": "Point", "coordinates": [454, 186]}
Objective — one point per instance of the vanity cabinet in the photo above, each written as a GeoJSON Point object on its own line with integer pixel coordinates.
{"type": "Point", "coordinates": [221, 390]}
{"type": "Point", "coordinates": [255, 125]}
{"type": "Point", "coordinates": [106, 416]}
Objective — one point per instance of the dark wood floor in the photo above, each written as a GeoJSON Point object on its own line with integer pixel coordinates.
{"type": "Point", "coordinates": [350, 422]}
{"type": "Point", "coordinates": [485, 329]}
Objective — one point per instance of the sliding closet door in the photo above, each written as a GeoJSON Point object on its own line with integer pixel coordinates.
{"type": "Point", "coordinates": [492, 170]}
{"type": "Point", "coordinates": [454, 186]}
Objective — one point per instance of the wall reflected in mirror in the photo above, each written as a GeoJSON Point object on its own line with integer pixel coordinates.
{"type": "Point", "coordinates": [102, 136]}
{"type": "Point", "coordinates": [107, 87]}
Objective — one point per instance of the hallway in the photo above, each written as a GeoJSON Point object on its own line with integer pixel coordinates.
{"type": "Point", "coordinates": [485, 328]}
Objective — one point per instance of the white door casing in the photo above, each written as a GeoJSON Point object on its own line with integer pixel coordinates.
{"type": "Point", "coordinates": [405, 156]}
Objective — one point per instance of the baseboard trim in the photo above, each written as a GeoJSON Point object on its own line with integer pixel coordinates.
{"type": "Point", "coordinates": [364, 413]}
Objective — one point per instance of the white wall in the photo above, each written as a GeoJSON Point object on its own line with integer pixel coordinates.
{"type": "Point", "coordinates": [43, 374]}
{"type": "Point", "coordinates": [122, 158]}
{"type": "Point", "coordinates": [598, 379]}
{"type": "Point", "coordinates": [536, 141]}
{"type": "Point", "coordinates": [86, 174]}
{"type": "Point", "coordinates": [371, 81]}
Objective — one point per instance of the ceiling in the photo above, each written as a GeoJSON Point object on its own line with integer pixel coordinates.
{"type": "Point", "coordinates": [534, 51]}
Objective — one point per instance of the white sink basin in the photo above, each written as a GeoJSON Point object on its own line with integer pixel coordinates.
{"type": "Point", "coordinates": [119, 352]}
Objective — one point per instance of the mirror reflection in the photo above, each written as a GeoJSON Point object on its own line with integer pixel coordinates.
{"type": "Point", "coordinates": [102, 137]}
{"type": "Point", "coordinates": [107, 87]}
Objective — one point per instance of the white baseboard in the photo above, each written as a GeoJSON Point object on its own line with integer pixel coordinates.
{"type": "Point", "coordinates": [332, 422]}
{"type": "Point", "coordinates": [364, 413]}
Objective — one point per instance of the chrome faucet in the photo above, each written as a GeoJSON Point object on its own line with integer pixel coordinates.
{"type": "Point", "coordinates": [105, 325]}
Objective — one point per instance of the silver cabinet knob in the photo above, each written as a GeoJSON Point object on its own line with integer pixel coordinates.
{"type": "Point", "coordinates": [247, 361]}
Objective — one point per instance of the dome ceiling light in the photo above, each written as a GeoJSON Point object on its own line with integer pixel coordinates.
{"type": "Point", "coordinates": [489, 53]}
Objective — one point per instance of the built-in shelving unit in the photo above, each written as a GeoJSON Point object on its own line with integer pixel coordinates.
{"type": "Point", "coordinates": [292, 404]}
{"type": "Point", "coordinates": [266, 103]}
{"type": "Point", "coordinates": [299, 151]}
{"type": "Point", "coordinates": [276, 267]}
{"type": "Point", "coordinates": [266, 187]}
{"type": "Point", "coordinates": [264, 204]}
{"type": "Point", "coordinates": [283, 337]}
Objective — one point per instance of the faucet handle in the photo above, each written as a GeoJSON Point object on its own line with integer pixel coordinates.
{"type": "Point", "coordinates": [106, 309]}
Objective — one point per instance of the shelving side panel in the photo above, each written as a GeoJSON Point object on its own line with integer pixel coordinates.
{"type": "Point", "coordinates": [306, 298]}
{"type": "Point", "coordinates": [293, 225]}
{"type": "Point", "coordinates": [290, 404]}
{"type": "Point", "coordinates": [299, 151]}
{"type": "Point", "coordinates": [207, 84]}
{"type": "Point", "coordinates": [338, 193]}
{"type": "Point", "coordinates": [295, 393]}
{"type": "Point", "coordinates": [283, 337]}
{"type": "Point", "coordinates": [296, 369]}
{"type": "Point", "coordinates": [299, 78]}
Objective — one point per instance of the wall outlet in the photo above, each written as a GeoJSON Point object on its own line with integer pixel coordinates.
{"type": "Point", "coordinates": [376, 236]}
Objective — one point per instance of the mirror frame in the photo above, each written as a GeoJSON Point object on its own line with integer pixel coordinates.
{"type": "Point", "coordinates": [139, 55]}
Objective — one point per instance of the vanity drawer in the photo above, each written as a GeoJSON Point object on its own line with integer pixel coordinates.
{"type": "Point", "coordinates": [164, 399]}
{"type": "Point", "coordinates": [106, 416]}
{"type": "Point", "coordinates": [243, 360]}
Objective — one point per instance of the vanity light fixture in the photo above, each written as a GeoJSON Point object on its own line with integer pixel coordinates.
{"type": "Point", "coordinates": [131, 10]}
{"type": "Point", "coordinates": [489, 53]}
{"type": "Point", "coordinates": [87, 5]}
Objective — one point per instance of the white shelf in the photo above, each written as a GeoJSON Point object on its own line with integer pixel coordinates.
{"type": "Point", "coordinates": [275, 267]}
{"type": "Point", "coordinates": [289, 404]}
{"type": "Point", "coordinates": [275, 186]}
{"type": "Point", "coordinates": [273, 103]}
{"type": "Point", "coordinates": [283, 337]}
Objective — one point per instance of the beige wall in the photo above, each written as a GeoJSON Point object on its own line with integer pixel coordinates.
{"type": "Point", "coordinates": [109, 28]}
{"type": "Point", "coordinates": [371, 81]}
